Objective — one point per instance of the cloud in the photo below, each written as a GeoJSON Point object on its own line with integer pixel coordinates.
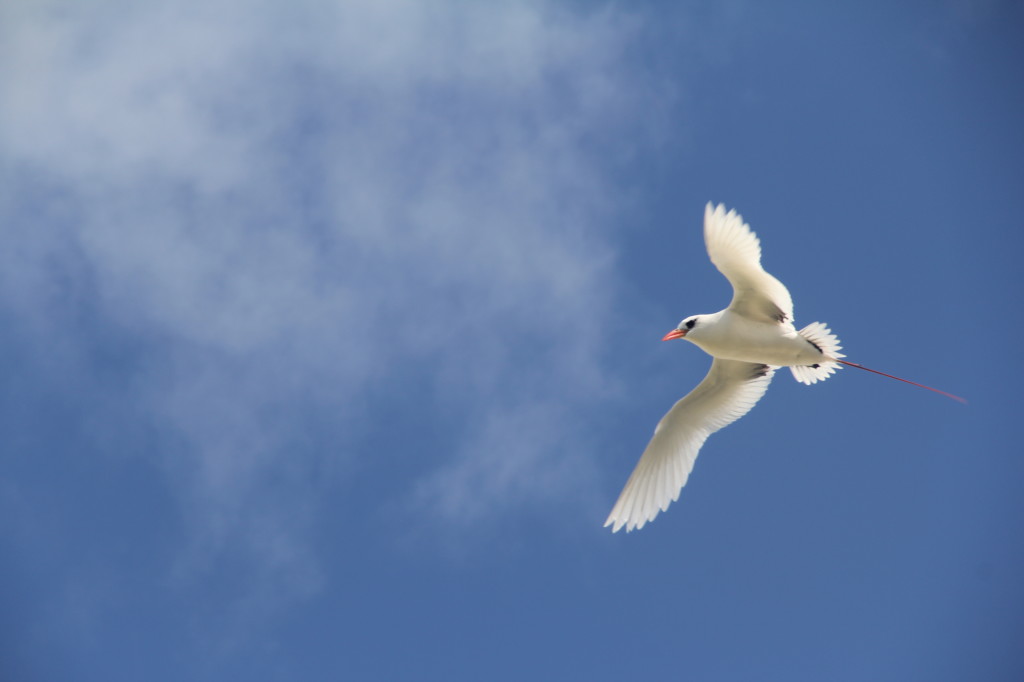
{"type": "Point", "coordinates": [287, 212]}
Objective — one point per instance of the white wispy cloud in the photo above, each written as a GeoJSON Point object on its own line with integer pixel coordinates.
{"type": "Point", "coordinates": [287, 206]}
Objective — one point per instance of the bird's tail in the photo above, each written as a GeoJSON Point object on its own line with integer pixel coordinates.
{"type": "Point", "coordinates": [822, 338]}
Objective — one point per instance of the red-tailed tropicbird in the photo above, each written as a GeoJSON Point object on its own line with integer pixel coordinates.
{"type": "Point", "coordinates": [748, 340]}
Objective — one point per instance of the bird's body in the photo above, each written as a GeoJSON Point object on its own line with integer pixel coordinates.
{"type": "Point", "coordinates": [748, 340]}
{"type": "Point", "coordinates": [732, 336]}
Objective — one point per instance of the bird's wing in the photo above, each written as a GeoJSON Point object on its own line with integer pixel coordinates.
{"type": "Point", "coordinates": [736, 252]}
{"type": "Point", "coordinates": [727, 393]}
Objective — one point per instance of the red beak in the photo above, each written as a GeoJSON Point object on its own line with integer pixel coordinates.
{"type": "Point", "coordinates": [675, 334]}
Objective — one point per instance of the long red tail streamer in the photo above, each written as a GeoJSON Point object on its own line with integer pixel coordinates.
{"type": "Point", "coordinates": [906, 381]}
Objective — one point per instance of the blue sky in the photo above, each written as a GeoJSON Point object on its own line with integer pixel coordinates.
{"type": "Point", "coordinates": [331, 331]}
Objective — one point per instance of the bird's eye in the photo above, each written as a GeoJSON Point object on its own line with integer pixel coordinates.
{"type": "Point", "coordinates": [690, 323]}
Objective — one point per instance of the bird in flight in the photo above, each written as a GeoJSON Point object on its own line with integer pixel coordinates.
{"type": "Point", "coordinates": [749, 340]}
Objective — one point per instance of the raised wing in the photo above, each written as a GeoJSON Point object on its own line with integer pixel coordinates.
{"type": "Point", "coordinates": [736, 252]}
{"type": "Point", "coordinates": [727, 393]}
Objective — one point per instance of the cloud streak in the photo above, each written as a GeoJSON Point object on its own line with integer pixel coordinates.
{"type": "Point", "coordinates": [286, 214]}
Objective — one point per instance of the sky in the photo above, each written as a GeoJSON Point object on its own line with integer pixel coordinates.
{"type": "Point", "coordinates": [330, 332]}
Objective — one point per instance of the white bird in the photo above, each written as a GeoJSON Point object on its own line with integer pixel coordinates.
{"type": "Point", "coordinates": [748, 340]}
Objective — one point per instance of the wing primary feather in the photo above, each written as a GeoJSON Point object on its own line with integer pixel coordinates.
{"type": "Point", "coordinates": [736, 251]}
{"type": "Point", "coordinates": [728, 391]}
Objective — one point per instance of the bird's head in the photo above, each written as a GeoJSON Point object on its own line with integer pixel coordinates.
{"type": "Point", "coordinates": [684, 328]}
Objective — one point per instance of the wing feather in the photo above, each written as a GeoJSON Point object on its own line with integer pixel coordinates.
{"type": "Point", "coordinates": [729, 390]}
{"type": "Point", "coordinates": [736, 252]}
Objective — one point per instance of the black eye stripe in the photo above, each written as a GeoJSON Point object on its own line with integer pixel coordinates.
{"type": "Point", "coordinates": [690, 323]}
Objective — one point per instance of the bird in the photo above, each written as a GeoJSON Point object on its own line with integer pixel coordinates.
{"type": "Point", "coordinates": [748, 341]}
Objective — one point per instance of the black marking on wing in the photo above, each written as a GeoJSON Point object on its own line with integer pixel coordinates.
{"type": "Point", "coordinates": [779, 316]}
{"type": "Point", "coordinates": [814, 344]}
{"type": "Point", "coordinates": [758, 371]}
